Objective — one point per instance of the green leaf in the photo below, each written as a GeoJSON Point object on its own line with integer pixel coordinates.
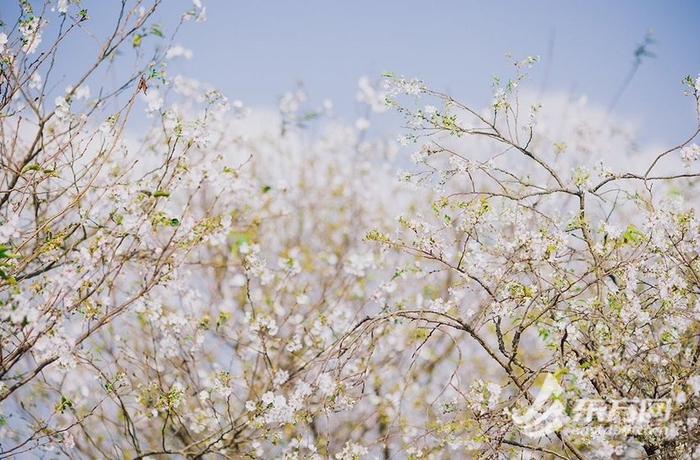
{"type": "Point", "coordinates": [138, 38]}
{"type": "Point", "coordinates": [64, 404]}
{"type": "Point", "coordinates": [632, 235]}
{"type": "Point", "coordinates": [32, 167]}
{"type": "Point", "coordinates": [156, 29]}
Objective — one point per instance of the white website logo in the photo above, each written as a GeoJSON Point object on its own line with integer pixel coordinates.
{"type": "Point", "coordinates": [546, 414]}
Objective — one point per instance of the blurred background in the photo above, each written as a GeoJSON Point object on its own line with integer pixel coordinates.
{"type": "Point", "coordinates": [257, 50]}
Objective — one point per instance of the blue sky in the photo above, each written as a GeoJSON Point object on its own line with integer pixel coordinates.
{"type": "Point", "coordinates": [256, 50]}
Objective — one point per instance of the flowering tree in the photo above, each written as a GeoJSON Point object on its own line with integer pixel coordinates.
{"type": "Point", "coordinates": [557, 265]}
{"type": "Point", "coordinates": [230, 284]}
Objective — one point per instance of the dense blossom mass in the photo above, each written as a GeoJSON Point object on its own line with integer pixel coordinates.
{"type": "Point", "coordinates": [234, 282]}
